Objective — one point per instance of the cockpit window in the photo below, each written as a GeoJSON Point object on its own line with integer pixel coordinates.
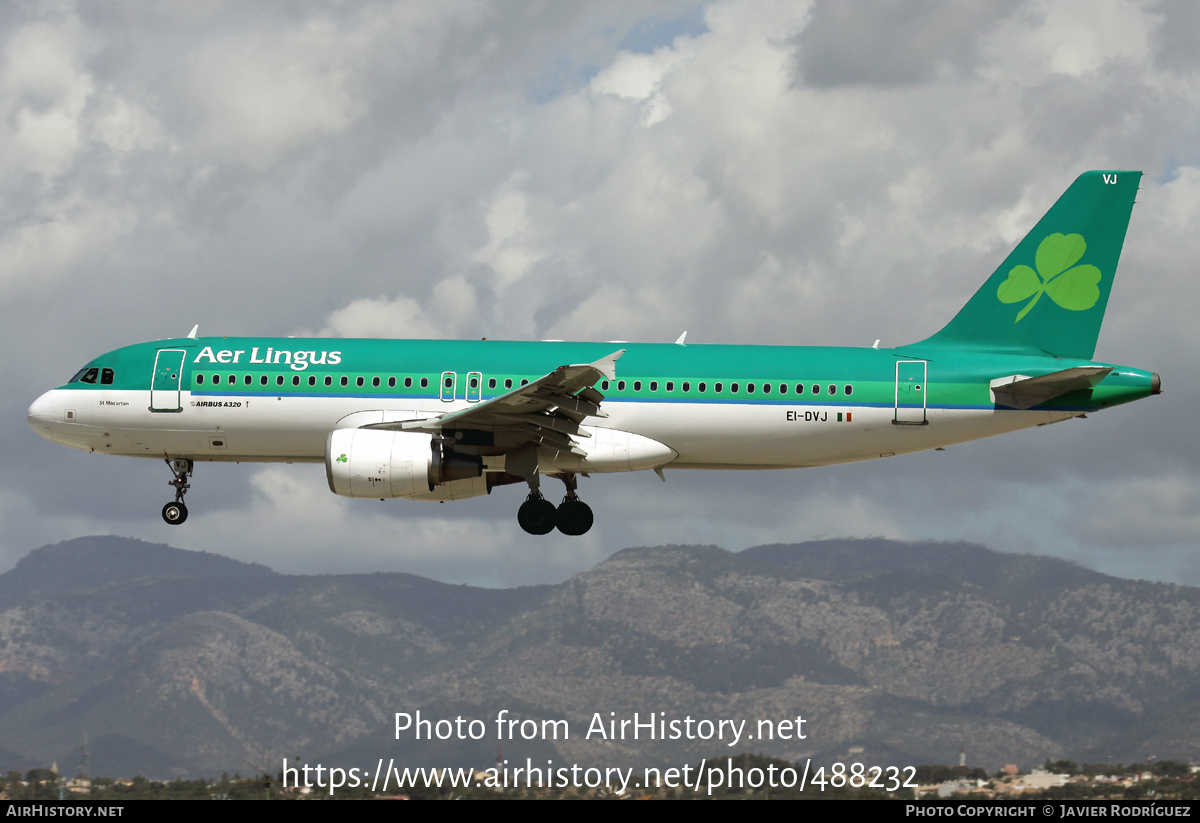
{"type": "Point", "coordinates": [86, 375]}
{"type": "Point", "coordinates": [106, 377]}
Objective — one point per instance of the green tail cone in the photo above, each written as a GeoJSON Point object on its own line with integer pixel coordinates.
{"type": "Point", "coordinates": [1050, 294]}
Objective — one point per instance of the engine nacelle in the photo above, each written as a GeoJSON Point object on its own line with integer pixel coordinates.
{"type": "Point", "coordinates": [377, 463]}
{"type": "Point", "coordinates": [608, 450]}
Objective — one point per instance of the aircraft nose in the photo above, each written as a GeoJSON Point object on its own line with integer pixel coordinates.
{"type": "Point", "coordinates": [39, 415]}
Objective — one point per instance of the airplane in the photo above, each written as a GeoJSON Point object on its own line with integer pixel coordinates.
{"type": "Point", "coordinates": [449, 420]}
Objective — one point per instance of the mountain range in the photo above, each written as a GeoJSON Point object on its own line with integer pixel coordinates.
{"type": "Point", "coordinates": [173, 662]}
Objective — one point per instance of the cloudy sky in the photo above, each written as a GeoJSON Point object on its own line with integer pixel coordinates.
{"type": "Point", "coordinates": [752, 172]}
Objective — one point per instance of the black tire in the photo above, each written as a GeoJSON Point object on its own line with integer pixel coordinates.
{"type": "Point", "coordinates": [174, 513]}
{"type": "Point", "coordinates": [574, 517]}
{"type": "Point", "coordinates": [537, 516]}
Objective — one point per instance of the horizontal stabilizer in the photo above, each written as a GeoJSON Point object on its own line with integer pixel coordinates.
{"type": "Point", "coordinates": [1027, 392]}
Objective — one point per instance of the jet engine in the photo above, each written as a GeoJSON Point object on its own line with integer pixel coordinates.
{"type": "Point", "coordinates": [380, 464]}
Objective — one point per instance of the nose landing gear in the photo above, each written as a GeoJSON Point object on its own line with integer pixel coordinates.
{"type": "Point", "coordinates": [175, 513]}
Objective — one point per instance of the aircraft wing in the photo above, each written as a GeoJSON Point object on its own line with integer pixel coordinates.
{"type": "Point", "coordinates": [549, 410]}
{"type": "Point", "coordinates": [1027, 392]}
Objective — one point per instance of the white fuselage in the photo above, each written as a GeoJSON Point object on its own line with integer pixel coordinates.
{"type": "Point", "coordinates": [710, 435]}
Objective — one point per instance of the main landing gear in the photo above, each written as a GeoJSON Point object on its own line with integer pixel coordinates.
{"type": "Point", "coordinates": [538, 515]}
{"type": "Point", "coordinates": [175, 513]}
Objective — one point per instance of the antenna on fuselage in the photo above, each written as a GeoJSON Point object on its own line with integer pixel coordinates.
{"type": "Point", "coordinates": [192, 333]}
{"type": "Point", "coordinates": [682, 337]}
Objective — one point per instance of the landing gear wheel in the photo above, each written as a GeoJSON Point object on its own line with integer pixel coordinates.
{"type": "Point", "coordinates": [537, 515]}
{"type": "Point", "coordinates": [174, 513]}
{"type": "Point", "coordinates": [574, 517]}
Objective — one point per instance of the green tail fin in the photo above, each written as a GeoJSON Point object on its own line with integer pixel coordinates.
{"type": "Point", "coordinates": [1051, 292]}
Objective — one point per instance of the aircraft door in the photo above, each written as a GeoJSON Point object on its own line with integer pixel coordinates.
{"type": "Point", "coordinates": [911, 393]}
{"type": "Point", "coordinates": [449, 386]}
{"type": "Point", "coordinates": [474, 387]}
{"type": "Point", "coordinates": [166, 380]}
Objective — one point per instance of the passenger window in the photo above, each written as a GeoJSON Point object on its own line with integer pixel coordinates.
{"type": "Point", "coordinates": [848, 389]}
{"type": "Point", "coordinates": [312, 380]}
{"type": "Point", "coordinates": [524, 382]}
{"type": "Point", "coordinates": [345, 381]}
{"type": "Point", "coordinates": [733, 387]}
{"type": "Point", "coordinates": [232, 379]}
{"type": "Point", "coordinates": [717, 388]}
{"type": "Point", "coordinates": [359, 382]}
{"type": "Point", "coordinates": [106, 377]}
{"type": "Point", "coordinates": [296, 380]}
{"type": "Point", "coordinates": [491, 382]}
{"type": "Point", "coordinates": [375, 382]}
{"type": "Point", "coordinates": [508, 383]}
{"type": "Point", "coordinates": [701, 387]}
{"type": "Point", "coordinates": [391, 382]}
{"type": "Point", "coordinates": [766, 388]}
{"type": "Point", "coordinates": [816, 389]}
{"type": "Point", "coordinates": [799, 388]}
{"type": "Point", "coordinates": [686, 386]}
{"type": "Point", "coordinates": [199, 379]}
{"type": "Point", "coordinates": [620, 385]}
{"type": "Point", "coordinates": [604, 385]}
{"type": "Point", "coordinates": [749, 388]}
{"type": "Point", "coordinates": [424, 382]}
{"type": "Point", "coordinates": [263, 380]}
{"type": "Point", "coordinates": [474, 382]}
{"type": "Point", "coordinates": [408, 382]}
{"type": "Point", "coordinates": [832, 389]}
{"type": "Point", "coordinates": [783, 388]}
{"type": "Point", "coordinates": [328, 380]}
{"type": "Point", "coordinates": [279, 380]}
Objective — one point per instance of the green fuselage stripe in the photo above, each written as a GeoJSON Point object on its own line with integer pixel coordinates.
{"type": "Point", "coordinates": [956, 380]}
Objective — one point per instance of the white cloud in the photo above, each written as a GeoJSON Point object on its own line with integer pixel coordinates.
{"type": "Point", "coordinates": [639, 77]}
{"type": "Point", "coordinates": [452, 308]}
{"type": "Point", "coordinates": [401, 317]}
{"type": "Point", "coordinates": [262, 95]}
{"type": "Point", "coordinates": [71, 233]}
{"type": "Point", "coordinates": [43, 92]}
{"type": "Point", "coordinates": [1072, 38]}
{"type": "Point", "coordinates": [511, 250]}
